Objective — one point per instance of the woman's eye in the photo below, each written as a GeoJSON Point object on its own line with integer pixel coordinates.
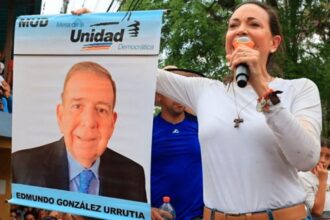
{"type": "Point", "coordinates": [255, 25]}
{"type": "Point", "coordinates": [232, 25]}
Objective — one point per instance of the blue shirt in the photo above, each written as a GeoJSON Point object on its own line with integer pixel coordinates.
{"type": "Point", "coordinates": [176, 167]}
{"type": "Point", "coordinates": [7, 104]}
{"type": "Point", "coordinates": [75, 169]}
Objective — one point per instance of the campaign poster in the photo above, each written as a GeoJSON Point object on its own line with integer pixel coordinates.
{"type": "Point", "coordinates": [83, 107]}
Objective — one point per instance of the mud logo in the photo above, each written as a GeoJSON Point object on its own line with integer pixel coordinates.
{"type": "Point", "coordinates": [32, 22]}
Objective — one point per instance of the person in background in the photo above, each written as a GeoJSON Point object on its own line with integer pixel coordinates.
{"type": "Point", "coordinates": [5, 93]}
{"type": "Point", "coordinates": [29, 216]}
{"type": "Point", "coordinates": [6, 99]}
{"type": "Point", "coordinates": [317, 182]}
{"type": "Point", "coordinates": [176, 167]}
{"type": "Point", "coordinates": [41, 213]}
{"type": "Point", "coordinates": [13, 215]}
{"type": "Point", "coordinates": [56, 214]}
{"type": "Point", "coordinates": [253, 139]}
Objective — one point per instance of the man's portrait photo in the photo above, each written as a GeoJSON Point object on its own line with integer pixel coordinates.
{"type": "Point", "coordinates": [83, 105]}
{"type": "Point", "coordinates": [81, 159]}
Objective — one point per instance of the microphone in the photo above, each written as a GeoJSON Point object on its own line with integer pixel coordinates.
{"type": "Point", "coordinates": [242, 70]}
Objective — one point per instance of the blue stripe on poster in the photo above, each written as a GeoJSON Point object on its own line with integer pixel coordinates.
{"type": "Point", "coordinates": [79, 203]}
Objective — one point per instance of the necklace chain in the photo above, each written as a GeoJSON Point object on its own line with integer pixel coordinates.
{"type": "Point", "coordinates": [238, 119]}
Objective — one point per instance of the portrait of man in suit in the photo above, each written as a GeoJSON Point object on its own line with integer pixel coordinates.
{"type": "Point", "coordinates": [81, 161]}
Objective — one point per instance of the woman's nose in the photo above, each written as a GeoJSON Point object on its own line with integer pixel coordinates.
{"type": "Point", "coordinates": [242, 30]}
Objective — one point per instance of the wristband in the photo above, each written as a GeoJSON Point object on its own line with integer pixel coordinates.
{"type": "Point", "coordinates": [267, 99]}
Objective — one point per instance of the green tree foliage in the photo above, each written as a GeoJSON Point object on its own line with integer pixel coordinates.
{"type": "Point", "coordinates": [193, 34]}
{"type": "Point", "coordinates": [193, 37]}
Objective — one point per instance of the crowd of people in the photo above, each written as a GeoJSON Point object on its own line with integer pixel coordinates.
{"type": "Point", "coordinates": [29, 213]}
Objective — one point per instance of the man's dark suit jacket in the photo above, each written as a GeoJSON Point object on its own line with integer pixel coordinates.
{"type": "Point", "coordinates": [47, 166]}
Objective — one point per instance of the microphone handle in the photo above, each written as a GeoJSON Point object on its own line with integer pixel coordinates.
{"type": "Point", "coordinates": [242, 75]}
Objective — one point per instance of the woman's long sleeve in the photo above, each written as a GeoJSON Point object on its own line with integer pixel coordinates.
{"type": "Point", "coordinates": [298, 131]}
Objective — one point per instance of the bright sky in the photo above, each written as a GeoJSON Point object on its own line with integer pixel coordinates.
{"type": "Point", "coordinates": [49, 7]}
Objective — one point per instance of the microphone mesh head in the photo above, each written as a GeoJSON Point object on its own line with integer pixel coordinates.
{"type": "Point", "coordinates": [245, 40]}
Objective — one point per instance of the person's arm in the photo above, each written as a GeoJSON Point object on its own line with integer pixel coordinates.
{"type": "Point", "coordinates": [298, 130]}
{"type": "Point", "coordinates": [310, 188]}
{"type": "Point", "coordinates": [185, 90]}
{"type": "Point", "coordinates": [322, 175]}
{"type": "Point", "coordinates": [6, 87]}
{"type": "Point", "coordinates": [297, 127]}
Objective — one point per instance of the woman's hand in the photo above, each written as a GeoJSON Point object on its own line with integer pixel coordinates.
{"type": "Point", "coordinates": [157, 214]}
{"type": "Point", "coordinates": [320, 172]}
{"type": "Point", "coordinates": [258, 75]}
{"type": "Point", "coordinates": [80, 11]}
